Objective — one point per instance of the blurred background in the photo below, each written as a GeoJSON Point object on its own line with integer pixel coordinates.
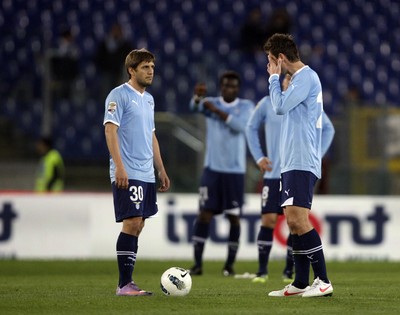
{"type": "Point", "coordinates": [59, 59]}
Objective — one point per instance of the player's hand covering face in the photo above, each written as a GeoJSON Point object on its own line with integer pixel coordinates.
{"type": "Point", "coordinates": [274, 65]}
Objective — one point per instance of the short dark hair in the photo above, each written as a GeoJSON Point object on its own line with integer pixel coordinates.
{"type": "Point", "coordinates": [136, 56]}
{"type": "Point", "coordinates": [230, 74]}
{"type": "Point", "coordinates": [282, 44]}
{"type": "Point", "coordinates": [47, 141]}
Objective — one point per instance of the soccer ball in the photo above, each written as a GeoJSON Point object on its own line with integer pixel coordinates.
{"type": "Point", "coordinates": [176, 281]}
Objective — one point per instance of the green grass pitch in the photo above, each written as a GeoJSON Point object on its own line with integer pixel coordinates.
{"type": "Point", "coordinates": [88, 287]}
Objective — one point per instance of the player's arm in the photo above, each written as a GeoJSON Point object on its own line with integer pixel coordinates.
{"type": "Point", "coordinates": [215, 110]}
{"type": "Point", "coordinates": [257, 118]}
{"type": "Point", "coordinates": [295, 94]}
{"type": "Point", "coordinates": [237, 121]}
{"type": "Point", "coordinates": [328, 131]}
{"type": "Point", "coordinates": [111, 133]}
{"type": "Point", "coordinates": [252, 132]}
{"type": "Point", "coordinates": [200, 104]}
{"type": "Point", "coordinates": [159, 165]}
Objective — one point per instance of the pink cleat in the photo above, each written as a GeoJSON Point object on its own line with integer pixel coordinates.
{"type": "Point", "coordinates": [131, 289]}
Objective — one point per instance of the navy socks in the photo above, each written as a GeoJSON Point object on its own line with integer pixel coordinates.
{"type": "Point", "coordinates": [264, 244]}
{"type": "Point", "coordinates": [127, 246]}
{"type": "Point", "coordinates": [233, 244]}
{"type": "Point", "coordinates": [307, 250]}
{"type": "Point", "coordinates": [200, 236]}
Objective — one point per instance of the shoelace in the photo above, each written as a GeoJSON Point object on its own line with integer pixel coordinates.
{"type": "Point", "coordinates": [315, 283]}
{"type": "Point", "coordinates": [134, 286]}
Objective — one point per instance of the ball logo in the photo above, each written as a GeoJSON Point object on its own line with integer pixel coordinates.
{"type": "Point", "coordinates": [180, 285]}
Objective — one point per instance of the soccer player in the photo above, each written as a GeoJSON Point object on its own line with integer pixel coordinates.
{"type": "Point", "coordinates": [265, 116]}
{"type": "Point", "coordinates": [222, 183]}
{"type": "Point", "coordinates": [301, 107]}
{"type": "Point", "coordinates": [134, 151]}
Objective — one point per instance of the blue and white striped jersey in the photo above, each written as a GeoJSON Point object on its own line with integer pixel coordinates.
{"type": "Point", "coordinates": [301, 106]}
{"type": "Point", "coordinates": [133, 113]}
{"type": "Point", "coordinates": [226, 140]}
{"type": "Point", "coordinates": [264, 115]}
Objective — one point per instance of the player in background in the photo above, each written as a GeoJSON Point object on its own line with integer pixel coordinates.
{"type": "Point", "coordinates": [301, 107]}
{"type": "Point", "coordinates": [51, 171]}
{"type": "Point", "coordinates": [264, 115]}
{"type": "Point", "coordinates": [134, 152]}
{"type": "Point", "coordinates": [222, 183]}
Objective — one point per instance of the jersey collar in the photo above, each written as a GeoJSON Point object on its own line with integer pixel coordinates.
{"type": "Point", "coordinates": [301, 69]}
{"type": "Point", "coordinates": [133, 89]}
{"type": "Point", "coordinates": [231, 104]}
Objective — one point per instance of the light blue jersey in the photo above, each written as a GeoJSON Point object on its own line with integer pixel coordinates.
{"type": "Point", "coordinates": [301, 106]}
{"type": "Point", "coordinates": [133, 113]}
{"type": "Point", "coordinates": [226, 140]}
{"type": "Point", "coordinates": [264, 115]}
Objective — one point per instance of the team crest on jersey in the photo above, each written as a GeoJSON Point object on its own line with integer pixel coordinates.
{"type": "Point", "coordinates": [112, 107]}
{"type": "Point", "coordinates": [151, 103]}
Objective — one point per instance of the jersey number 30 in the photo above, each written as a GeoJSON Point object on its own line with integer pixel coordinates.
{"type": "Point", "coordinates": [137, 193]}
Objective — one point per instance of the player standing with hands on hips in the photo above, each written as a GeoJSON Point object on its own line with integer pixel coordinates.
{"type": "Point", "coordinates": [134, 152]}
{"type": "Point", "coordinates": [222, 182]}
{"type": "Point", "coordinates": [301, 107]}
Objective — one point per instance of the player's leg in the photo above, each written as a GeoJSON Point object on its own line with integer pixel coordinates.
{"type": "Point", "coordinates": [297, 192]}
{"type": "Point", "coordinates": [232, 196]}
{"type": "Point", "coordinates": [264, 245]}
{"type": "Point", "coordinates": [127, 246]}
{"type": "Point", "coordinates": [270, 208]}
{"type": "Point", "coordinates": [307, 243]}
{"type": "Point", "coordinates": [200, 235]}
{"type": "Point", "coordinates": [314, 253]}
{"type": "Point", "coordinates": [209, 192]}
{"type": "Point", "coordinates": [307, 250]}
{"type": "Point", "coordinates": [297, 219]}
{"type": "Point", "coordinates": [233, 244]}
{"type": "Point", "coordinates": [132, 215]}
{"type": "Point", "coordinates": [288, 270]}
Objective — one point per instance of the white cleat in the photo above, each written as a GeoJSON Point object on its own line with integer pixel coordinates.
{"type": "Point", "coordinates": [319, 288]}
{"type": "Point", "coordinates": [288, 291]}
{"type": "Point", "coordinates": [245, 275]}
